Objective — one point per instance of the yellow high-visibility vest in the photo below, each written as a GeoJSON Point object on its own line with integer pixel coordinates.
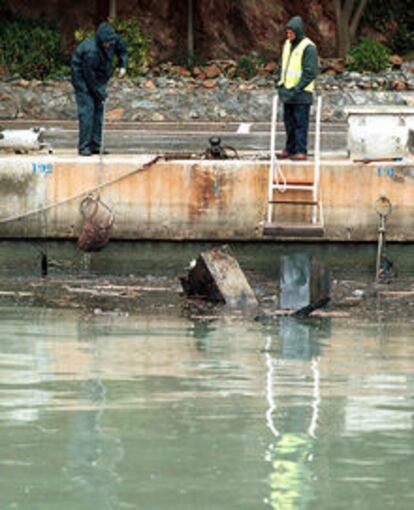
{"type": "Point", "coordinates": [292, 65]}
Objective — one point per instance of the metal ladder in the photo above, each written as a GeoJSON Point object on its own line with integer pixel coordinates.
{"type": "Point", "coordinates": [279, 184]}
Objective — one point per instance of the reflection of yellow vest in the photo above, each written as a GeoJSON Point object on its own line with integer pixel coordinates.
{"type": "Point", "coordinates": [292, 65]}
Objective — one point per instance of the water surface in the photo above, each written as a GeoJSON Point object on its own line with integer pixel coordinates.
{"type": "Point", "coordinates": [116, 412]}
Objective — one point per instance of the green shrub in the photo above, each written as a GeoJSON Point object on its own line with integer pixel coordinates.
{"type": "Point", "coordinates": [32, 49]}
{"type": "Point", "coordinates": [368, 55]}
{"type": "Point", "coordinates": [246, 68]}
{"type": "Point", "coordinates": [138, 43]}
{"type": "Point", "coordinates": [393, 19]}
{"type": "Point", "coordinates": [194, 60]}
{"type": "Point", "coordinates": [403, 40]}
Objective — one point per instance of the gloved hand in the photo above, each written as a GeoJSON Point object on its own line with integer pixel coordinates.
{"type": "Point", "coordinates": [100, 94]}
{"type": "Point", "coordinates": [122, 72]}
{"type": "Point", "coordinates": [287, 95]}
{"type": "Point", "coordinates": [284, 94]}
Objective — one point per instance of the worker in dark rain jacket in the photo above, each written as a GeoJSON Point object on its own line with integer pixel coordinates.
{"type": "Point", "coordinates": [91, 69]}
{"type": "Point", "coordinates": [296, 86]}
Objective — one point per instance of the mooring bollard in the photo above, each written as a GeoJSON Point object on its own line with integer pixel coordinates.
{"type": "Point", "coordinates": [217, 276]}
{"type": "Point", "coordinates": [305, 284]}
{"type": "Point", "coordinates": [384, 267]}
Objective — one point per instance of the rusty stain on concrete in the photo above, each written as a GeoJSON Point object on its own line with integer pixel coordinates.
{"type": "Point", "coordinates": [199, 200]}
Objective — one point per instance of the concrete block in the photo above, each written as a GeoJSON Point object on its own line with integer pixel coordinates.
{"type": "Point", "coordinates": [303, 282]}
{"type": "Point", "coordinates": [216, 276]}
{"type": "Point", "coordinates": [380, 132]}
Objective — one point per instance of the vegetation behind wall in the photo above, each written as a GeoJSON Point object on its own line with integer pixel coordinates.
{"type": "Point", "coordinates": [31, 48]}
{"type": "Point", "coordinates": [369, 55]}
{"type": "Point", "coordinates": [395, 20]}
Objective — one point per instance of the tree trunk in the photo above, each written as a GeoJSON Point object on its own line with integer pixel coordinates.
{"type": "Point", "coordinates": [112, 9]}
{"type": "Point", "coordinates": [348, 16]}
{"type": "Point", "coordinates": [190, 31]}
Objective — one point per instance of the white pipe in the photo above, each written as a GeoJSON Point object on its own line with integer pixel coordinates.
{"type": "Point", "coordinates": [22, 139]}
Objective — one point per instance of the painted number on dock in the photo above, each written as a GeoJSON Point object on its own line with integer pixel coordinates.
{"type": "Point", "coordinates": [42, 168]}
{"type": "Point", "coordinates": [386, 171]}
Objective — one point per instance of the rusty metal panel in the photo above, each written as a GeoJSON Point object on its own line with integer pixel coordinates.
{"type": "Point", "coordinates": [303, 281]}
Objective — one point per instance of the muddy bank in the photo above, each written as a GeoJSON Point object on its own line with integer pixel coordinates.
{"type": "Point", "coordinates": [354, 298]}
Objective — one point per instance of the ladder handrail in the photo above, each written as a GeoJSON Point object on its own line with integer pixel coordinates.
{"type": "Point", "coordinates": [317, 165]}
{"type": "Point", "coordinates": [276, 173]}
{"type": "Point", "coordinates": [274, 163]}
{"type": "Point", "coordinates": [272, 156]}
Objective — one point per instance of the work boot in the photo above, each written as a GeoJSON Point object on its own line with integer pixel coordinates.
{"type": "Point", "coordinates": [299, 157]}
{"type": "Point", "coordinates": [85, 152]}
{"type": "Point", "coordinates": [283, 155]}
{"type": "Point", "coordinates": [98, 151]}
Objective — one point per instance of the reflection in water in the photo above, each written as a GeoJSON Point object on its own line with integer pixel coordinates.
{"type": "Point", "coordinates": [201, 330]}
{"type": "Point", "coordinates": [94, 452]}
{"type": "Point", "coordinates": [159, 412]}
{"type": "Point", "coordinates": [291, 454]}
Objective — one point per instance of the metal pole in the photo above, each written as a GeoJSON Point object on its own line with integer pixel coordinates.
{"type": "Point", "coordinates": [381, 245]}
{"type": "Point", "coordinates": [190, 30]}
{"type": "Point", "coordinates": [112, 8]}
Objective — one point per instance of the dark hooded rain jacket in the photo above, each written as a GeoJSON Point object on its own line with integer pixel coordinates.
{"type": "Point", "coordinates": [91, 65]}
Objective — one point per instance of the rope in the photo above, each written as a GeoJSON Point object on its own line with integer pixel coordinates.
{"type": "Point", "coordinates": [81, 194]}
{"type": "Point", "coordinates": [101, 151]}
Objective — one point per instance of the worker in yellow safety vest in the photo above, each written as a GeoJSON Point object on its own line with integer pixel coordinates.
{"type": "Point", "coordinates": [296, 85]}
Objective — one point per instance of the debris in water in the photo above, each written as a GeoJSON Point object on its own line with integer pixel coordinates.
{"type": "Point", "coordinates": [216, 276]}
{"type": "Point", "coordinates": [305, 284]}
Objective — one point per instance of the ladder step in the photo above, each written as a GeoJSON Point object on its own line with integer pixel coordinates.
{"type": "Point", "coordinates": [298, 183]}
{"type": "Point", "coordinates": [294, 202]}
{"type": "Point", "coordinates": [293, 230]}
{"type": "Point", "coordinates": [292, 186]}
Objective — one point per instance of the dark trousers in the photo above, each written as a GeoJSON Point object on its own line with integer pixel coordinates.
{"type": "Point", "coordinates": [90, 114]}
{"type": "Point", "coordinates": [296, 120]}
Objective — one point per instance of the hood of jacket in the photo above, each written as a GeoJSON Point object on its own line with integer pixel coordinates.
{"type": "Point", "coordinates": [296, 24]}
{"type": "Point", "coordinates": [105, 33]}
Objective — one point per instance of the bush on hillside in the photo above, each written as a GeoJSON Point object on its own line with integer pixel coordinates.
{"type": "Point", "coordinates": [394, 20]}
{"type": "Point", "coordinates": [32, 49]}
{"type": "Point", "coordinates": [368, 55]}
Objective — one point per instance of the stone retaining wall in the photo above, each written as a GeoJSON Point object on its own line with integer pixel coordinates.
{"type": "Point", "coordinates": [181, 99]}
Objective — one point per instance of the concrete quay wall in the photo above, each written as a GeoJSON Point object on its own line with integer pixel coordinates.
{"type": "Point", "coordinates": [40, 196]}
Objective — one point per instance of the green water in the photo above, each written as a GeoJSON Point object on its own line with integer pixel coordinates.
{"type": "Point", "coordinates": [154, 413]}
{"type": "Point", "coordinates": [23, 257]}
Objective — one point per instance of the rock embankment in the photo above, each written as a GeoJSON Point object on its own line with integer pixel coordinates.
{"type": "Point", "coordinates": [203, 94]}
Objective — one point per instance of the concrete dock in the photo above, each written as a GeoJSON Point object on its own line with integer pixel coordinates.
{"type": "Point", "coordinates": [195, 199]}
